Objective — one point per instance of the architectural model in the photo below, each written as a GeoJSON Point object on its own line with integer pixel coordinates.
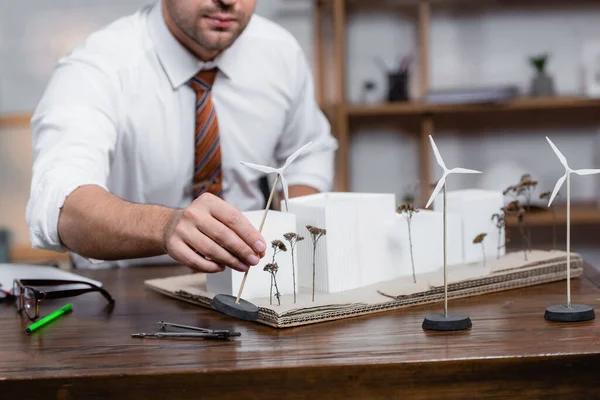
{"type": "Point", "coordinates": [365, 242]}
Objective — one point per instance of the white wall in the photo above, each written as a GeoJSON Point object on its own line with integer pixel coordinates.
{"type": "Point", "coordinates": [476, 44]}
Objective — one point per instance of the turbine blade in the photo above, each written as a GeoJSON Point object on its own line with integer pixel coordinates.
{"type": "Point", "coordinates": [261, 168]}
{"type": "Point", "coordinates": [291, 158]}
{"type": "Point", "coordinates": [560, 156]}
{"type": "Point", "coordinates": [437, 189]}
{"type": "Point", "coordinates": [587, 171]}
{"type": "Point", "coordinates": [559, 183]}
{"type": "Point", "coordinates": [463, 171]}
{"type": "Point", "coordinates": [438, 157]}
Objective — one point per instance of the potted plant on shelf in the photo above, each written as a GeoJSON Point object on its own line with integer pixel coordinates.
{"type": "Point", "coordinates": [542, 83]}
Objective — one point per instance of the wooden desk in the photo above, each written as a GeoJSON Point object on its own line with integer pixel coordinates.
{"type": "Point", "coordinates": [510, 351]}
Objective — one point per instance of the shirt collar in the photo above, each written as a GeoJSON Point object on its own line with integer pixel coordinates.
{"type": "Point", "coordinates": [178, 62]}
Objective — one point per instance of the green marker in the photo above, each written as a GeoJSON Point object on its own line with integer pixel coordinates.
{"type": "Point", "coordinates": [48, 318]}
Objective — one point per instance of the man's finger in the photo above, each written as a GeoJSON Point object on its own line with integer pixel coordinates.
{"type": "Point", "coordinates": [192, 260]}
{"type": "Point", "coordinates": [203, 244]}
{"type": "Point", "coordinates": [228, 239]}
{"type": "Point", "coordinates": [237, 222]}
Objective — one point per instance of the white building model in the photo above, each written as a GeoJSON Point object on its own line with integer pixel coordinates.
{"type": "Point", "coordinates": [475, 208]}
{"type": "Point", "coordinates": [353, 253]}
{"type": "Point", "coordinates": [367, 241]}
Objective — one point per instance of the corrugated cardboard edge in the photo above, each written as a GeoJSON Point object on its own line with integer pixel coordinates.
{"type": "Point", "coordinates": [531, 274]}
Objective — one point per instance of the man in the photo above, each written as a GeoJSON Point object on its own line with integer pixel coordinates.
{"type": "Point", "coordinates": [139, 136]}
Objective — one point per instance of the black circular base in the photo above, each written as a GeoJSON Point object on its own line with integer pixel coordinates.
{"type": "Point", "coordinates": [243, 310]}
{"type": "Point", "coordinates": [451, 322]}
{"type": "Point", "coordinates": [562, 313]}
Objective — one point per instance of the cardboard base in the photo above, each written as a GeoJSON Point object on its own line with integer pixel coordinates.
{"type": "Point", "coordinates": [575, 313]}
{"type": "Point", "coordinates": [449, 322]}
{"type": "Point", "coordinates": [508, 272]}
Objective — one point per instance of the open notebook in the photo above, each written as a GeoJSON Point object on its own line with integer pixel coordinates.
{"type": "Point", "coordinates": [10, 272]}
{"type": "Point", "coordinates": [509, 272]}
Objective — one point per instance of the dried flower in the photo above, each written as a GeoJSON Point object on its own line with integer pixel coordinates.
{"type": "Point", "coordinates": [500, 223]}
{"type": "Point", "coordinates": [511, 188]}
{"type": "Point", "coordinates": [406, 208]}
{"type": "Point", "coordinates": [289, 236]}
{"type": "Point", "coordinates": [409, 210]}
{"type": "Point", "coordinates": [545, 195]}
{"type": "Point", "coordinates": [316, 234]}
{"type": "Point", "coordinates": [514, 208]}
{"type": "Point", "coordinates": [479, 238]}
{"type": "Point", "coordinates": [279, 245]}
{"type": "Point", "coordinates": [293, 238]}
{"type": "Point", "coordinates": [316, 231]}
{"type": "Point", "coordinates": [272, 268]}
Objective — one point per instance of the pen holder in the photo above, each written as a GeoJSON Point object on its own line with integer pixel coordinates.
{"type": "Point", "coordinates": [4, 246]}
{"type": "Point", "coordinates": [398, 86]}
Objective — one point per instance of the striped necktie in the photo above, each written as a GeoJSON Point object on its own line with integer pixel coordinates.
{"type": "Point", "coordinates": [207, 160]}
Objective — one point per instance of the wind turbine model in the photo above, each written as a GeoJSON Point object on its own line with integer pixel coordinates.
{"type": "Point", "coordinates": [569, 312]}
{"type": "Point", "coordinates": [228, 304]}
{"type": "Point", "coordinates": [446, 321]}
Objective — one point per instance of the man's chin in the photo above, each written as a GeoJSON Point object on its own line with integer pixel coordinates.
{"type": "Point", "coordinates": [218, 40]}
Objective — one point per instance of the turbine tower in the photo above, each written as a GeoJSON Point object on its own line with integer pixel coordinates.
{"type": "Point", "coordinates": [446, 321]}
{"type": "Point", "coordinates": [569, 312]}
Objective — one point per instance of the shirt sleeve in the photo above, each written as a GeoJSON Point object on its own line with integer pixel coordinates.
{"type": "Point", "coordinates": [74, 131]}
{"type": "Point", "coordinates": [307, 123]}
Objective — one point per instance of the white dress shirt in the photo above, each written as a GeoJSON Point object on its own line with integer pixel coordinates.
{"type": "Point", "coordinates": [118, 113]}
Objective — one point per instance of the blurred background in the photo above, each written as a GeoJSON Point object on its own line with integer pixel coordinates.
{"type": "Point", "coordinates": [488, 78]}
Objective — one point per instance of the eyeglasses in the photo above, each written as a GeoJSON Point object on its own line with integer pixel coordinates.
{"type": "Point", "coordinates": [28, 297]}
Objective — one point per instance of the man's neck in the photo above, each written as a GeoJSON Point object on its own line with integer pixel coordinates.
{"type": "Point", "coordinates": [199, 51]}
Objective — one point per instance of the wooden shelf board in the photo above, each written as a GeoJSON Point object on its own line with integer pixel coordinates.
{"type": "Point", "coordinates": [412, 3]}
{"type": "Point", "coordinates": [15, 119]}
{"type": "Point", "coordinates": [581, 213]}
{"type": "Point", "coordinates": [26, 254]}
{"type": "Point", "coordinates": [520, 104]}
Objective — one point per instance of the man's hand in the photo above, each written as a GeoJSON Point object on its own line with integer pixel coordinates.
{"type": "Point", "coordinates": [210, 235]}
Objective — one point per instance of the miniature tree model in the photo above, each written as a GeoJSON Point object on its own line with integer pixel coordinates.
{"type": "Point", "coordinates": [293, 238]}
{"type": "Point", "coordinates": [500, 223]}
{"type": "Point", "coordinates": [408, 210]}
{"type": "Point", "coordinates": [511, 190]}
{"type": "Point", "coordinates": [272, 268]}
{"type": "Point", "coordinates": [569, 312]}
{"type": "Point", "coordinates": [228, 304]}
{"type": "Point", "coordinates": [546, 195]}
{"type": "Point", "coordinates": [446, 321]}
{"type": "Point", "coordinates": [479, 239]}
{"type": "Point", "coordinates": [315, 234]}
{"type": "Point", "coordinates": [526, 188]}
{"type": "Point", "coordinates": [515, 209]}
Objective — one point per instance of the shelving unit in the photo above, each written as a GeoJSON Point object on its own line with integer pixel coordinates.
{"type": "Point", "coordinates": [330, 80]}
{"type": "Point", "coordinates": [342, 114]}
{"type": "Point", "coordinates": [418, 109]}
